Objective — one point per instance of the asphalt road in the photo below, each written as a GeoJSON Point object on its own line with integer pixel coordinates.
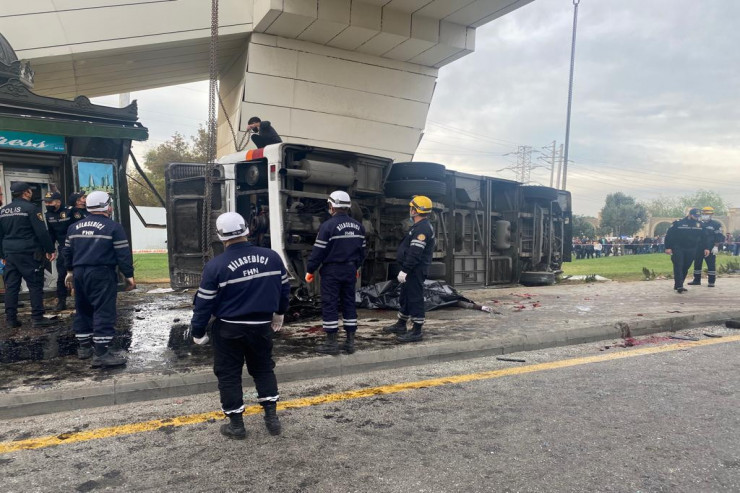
{"type": "Point", "coordinates": [667, 421]}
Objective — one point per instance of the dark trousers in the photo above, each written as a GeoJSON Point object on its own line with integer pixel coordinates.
{"type": "Point", "coordinates": [682, 259]}
{"type": "Point", "coordinates": [411, 301]}
{"type": "Point", "coordinates": [30, 268]}
{"type": "Point", "coordinates": [233, 344]}
{"type": "Point", "coordinates": [261, 141]}
{"type": "Point", "coordinates": [711, 266]}
{"type": "Point", "coordinates": [61, 274]}
{"type": "Point", "coordinates": [338, 288]}
{"type": "Point", "coordinates": [96, 289]}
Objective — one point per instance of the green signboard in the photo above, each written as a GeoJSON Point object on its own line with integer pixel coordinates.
{"type": "Point", "coordinates": [26, 141]}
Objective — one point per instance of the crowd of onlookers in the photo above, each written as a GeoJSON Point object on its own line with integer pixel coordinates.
{"type": "Point", "coordinates": [615, 246]}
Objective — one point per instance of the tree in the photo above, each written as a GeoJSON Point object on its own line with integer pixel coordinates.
{"type": "Point", "coordinates": [174, 150]}
{"type": "Point", "coordinates": [678, 206]}
{"type": "Point", "coordinates": [582, 227]}
{"type": "Point", "coordinates": [665, 207]}
{"type": "Point", "coordinates": [705, 198]}
{"type": "Point", "coordinates": [622, 214]}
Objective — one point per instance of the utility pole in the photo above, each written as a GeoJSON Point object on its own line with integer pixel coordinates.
{"type": "Point", "coordinates": [570, 90]}
{"type": "Point", "coordinates": [552, 164]}
{"type": "Point", "coordinates": [560, 167]}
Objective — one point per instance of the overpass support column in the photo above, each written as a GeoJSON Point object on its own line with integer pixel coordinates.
{"type": "Point", "coordinates": [326, 96]}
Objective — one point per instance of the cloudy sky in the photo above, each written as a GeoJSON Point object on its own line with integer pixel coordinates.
{"type": "Point", "coordinates": [656, 104]}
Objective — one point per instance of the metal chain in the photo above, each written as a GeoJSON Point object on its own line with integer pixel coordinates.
{"type": "Point", "coordinates": [211, 147]}
{"type": "Point", "coordinates": [239, 144]}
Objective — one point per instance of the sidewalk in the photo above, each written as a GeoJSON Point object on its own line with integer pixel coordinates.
{"type": "Point", "coordinates": [161, 365]}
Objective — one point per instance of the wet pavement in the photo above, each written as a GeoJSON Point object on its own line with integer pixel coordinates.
{"type": "Point", "coordinates": [151, 324]}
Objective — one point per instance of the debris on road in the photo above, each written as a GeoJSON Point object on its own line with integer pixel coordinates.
{"type": "Point", "coordinates": [732, 324]}
{"type": "Point", "coordinates": [385, 295]}
{"type": "Point", "coordinates": [709, 334]}
{"type": "Point", "coordinates": [684, 338]}
{"type": "Point", "coordinates": [513, 360]}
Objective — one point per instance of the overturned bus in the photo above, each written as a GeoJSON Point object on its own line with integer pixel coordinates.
{"type": "Point", "coordinates": [489, 230]}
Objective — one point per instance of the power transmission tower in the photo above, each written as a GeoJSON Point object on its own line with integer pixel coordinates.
{"type": "Point", "coordinates": [523, 166]}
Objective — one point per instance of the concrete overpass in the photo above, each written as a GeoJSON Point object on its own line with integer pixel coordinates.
{"type": "Point", "coordinates": [352, 74]}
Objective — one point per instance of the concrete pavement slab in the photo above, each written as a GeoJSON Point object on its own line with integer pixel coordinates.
{"type": "Point", "coordinates": [527, 319]}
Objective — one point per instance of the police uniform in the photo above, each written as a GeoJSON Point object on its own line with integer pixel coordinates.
{"type": "Point", "coordinates": [711, 236]}
{"type": "Point", "coordinates": [242, 288]}
{"type": "Point", "coordinates": [340, 251]}
{"type": "Point", "coordinates": [94, 247]}
{"type": "Point", "coordinates": [24, 241]}
{"type": "Point", "coordinates": [683, 238]}
{"type": "Point", "coordinates": [75, 212]}
{"type": "Point", "coordinates": [58, 220]}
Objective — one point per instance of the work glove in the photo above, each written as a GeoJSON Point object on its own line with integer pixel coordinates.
{"type": "Point", "coordinates": [69, 280]}
{"type": "Point", "coordinates": [277, 322]}
{"type": "Point", "coordinates": [200, 341]}
{"type": "Point", "coordinates": [402, 277]}
{"type": "Point", "coordinates": [715, 250]}
{"type": "Point", "coordinates": [309, 278]}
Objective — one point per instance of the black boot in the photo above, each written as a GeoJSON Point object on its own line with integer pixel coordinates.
{"type": "Point", "coordinates": [105, 358]}
{"type": "Point", "coordinates": [234, 429]}
{"type": "Point", "coordinates": [695, 282]}
{"type": "Point", "coordinates": [349, 344]}
{"type": "Point", "coordinates": [85, 350]}
{"type": "Point", "coordinates": [271, 420]}
{"type": "Point", "coordinates": [61, 305]}
{"type": "Point", "coordinates": [414, 336]}
{"type": "Point", "coordinates": [398, 328]}
{"type": "Point", "coordinates": [330, 345]}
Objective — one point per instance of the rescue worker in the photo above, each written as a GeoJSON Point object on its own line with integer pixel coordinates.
{"type": "Point", "coordinates": [681, 241]}
{"type": "Point", "coordinates": [246, 289]}
{"type": "Point", "coordinates": [264, 133]}
{"type": "Point", "coordinates": [94, 247]}
{"type": "Point", "coordinates": [414, 255]}
{"type": "Point", "coordinates": [24, 242]}
{"type": "Point", "coordinates": [340, 251]}
{"type": "Point", "coordinates": [712, 238]}
{"type": "Point", "coordinates": [58, 220]}
{"type": "Point", "coordinates": [76, 203]}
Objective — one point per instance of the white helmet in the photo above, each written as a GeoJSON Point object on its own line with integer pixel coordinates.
{"type": "Point", "coordinates": [339, 199]}
{"type": "Point", "coordinates": [98, 201]}
{"type": "Point", "coordinates": [230, 225]}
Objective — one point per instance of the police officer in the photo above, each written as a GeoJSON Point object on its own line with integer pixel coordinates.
{"type": "Point", "coordinates": [681, 241]}
{"type": "Point", "coordinates": [94, 247]}
{"type": "Point", "coordinates": [77, 209]}
{"type": "Point", "coordinates": [246, 289]}
{"type": "Point", "coordinates": [414, 256]}
{"type": "Point", "coordinates": [712, 238]}
{"type": "Point", "coordinates": [58, 220]}
{"type": "Point", "coordinates": [24, 241]}
{"type": "Point", "coordinates": [339, 250]}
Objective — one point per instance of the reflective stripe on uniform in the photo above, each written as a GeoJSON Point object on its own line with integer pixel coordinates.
{"type": "Point", "coordinates": [246, 322]}
{"type": "Point", "coordinates": [342, 237]}
{"type": "Point", "coordinates": [250, 277]}
{"type": "Point", "coordinates": [105, 237]}
{"type": "Point", "coordinates": [273, 398]}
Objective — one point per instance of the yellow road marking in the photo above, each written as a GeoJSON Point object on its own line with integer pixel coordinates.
{"type": "Point", "coordinates": [132, 428]}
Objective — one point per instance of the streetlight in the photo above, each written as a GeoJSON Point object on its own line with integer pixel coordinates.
{"type": "Point", "coordinates": [570, 90]}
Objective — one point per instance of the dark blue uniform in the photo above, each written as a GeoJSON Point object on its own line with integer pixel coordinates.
{"type": "Point", "coordinates": [78, 214]}
{"type": "Point", "coordinates": [340, 251]}
{"type": "Point", "coordinates": [414, 255]}
{"type": "Point", "coordinates": [711, 235]}
{"type": "Point", "coordinates": [58, 221]}
{"type": "Point", "coordinates": [24, 242]}
{"type": "Point", "coordinates": [683, 238]}
{"type": "Point", "coordinates": [242, 288]}
{"type": "Point", "coordinates": [93, 248]}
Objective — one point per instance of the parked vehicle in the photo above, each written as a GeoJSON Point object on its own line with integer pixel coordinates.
{"type": "Point", "coordinates": [489, 230]}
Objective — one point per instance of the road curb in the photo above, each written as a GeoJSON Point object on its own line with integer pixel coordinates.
{"type": "Point", "coordinates": [136, 388]}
